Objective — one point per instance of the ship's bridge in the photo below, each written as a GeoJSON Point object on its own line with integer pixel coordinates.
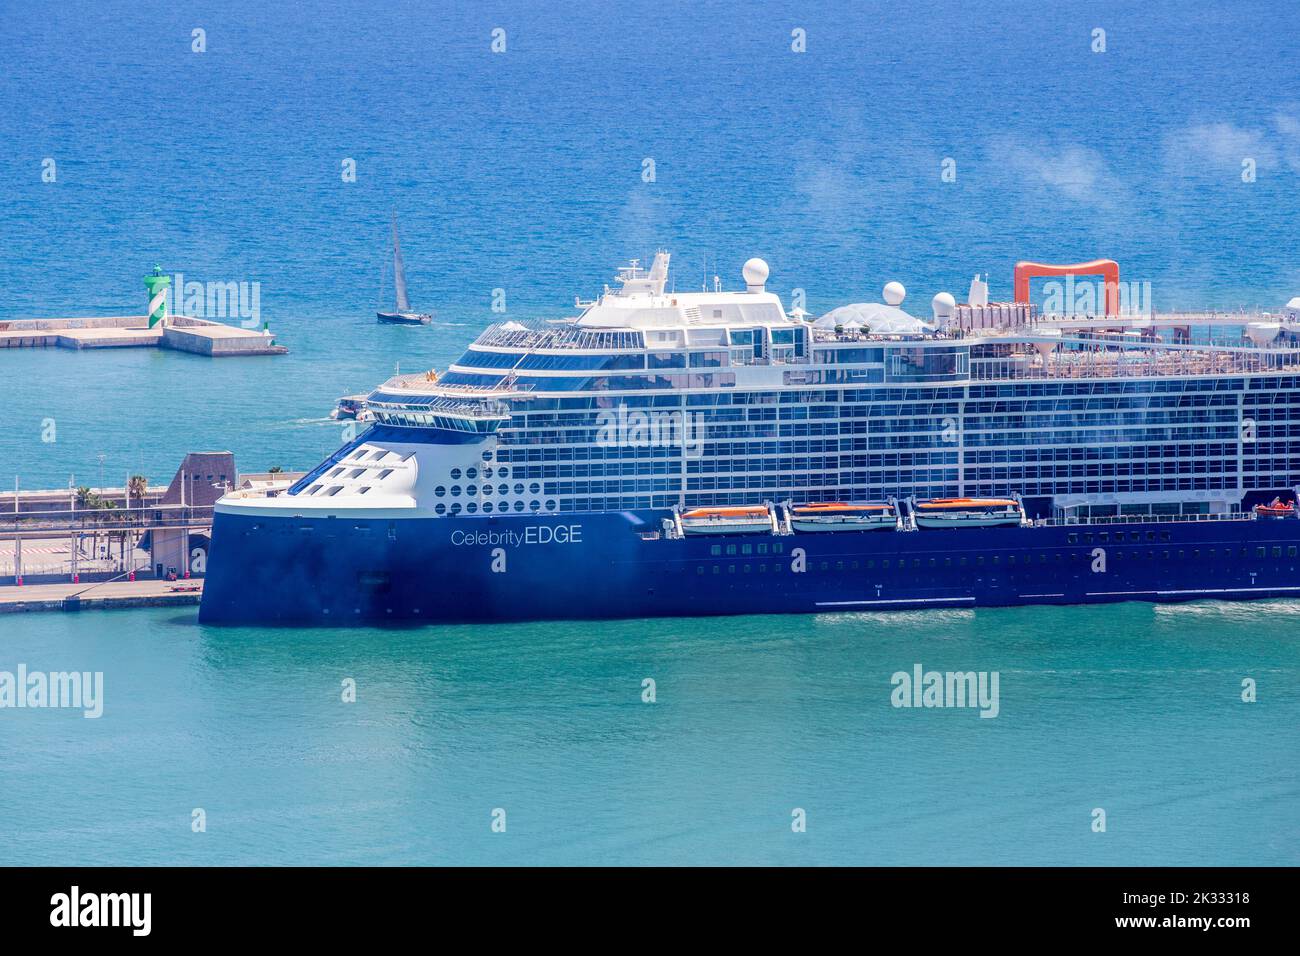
{"type": "Point", "coordinates": [643, 302]}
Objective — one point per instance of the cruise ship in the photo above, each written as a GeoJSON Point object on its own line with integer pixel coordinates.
{"type": "Point", "coordinates": [710, 452]}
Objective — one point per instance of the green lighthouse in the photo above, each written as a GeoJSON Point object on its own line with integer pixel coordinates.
{"type": "Point", "coordinates": [157, 284]}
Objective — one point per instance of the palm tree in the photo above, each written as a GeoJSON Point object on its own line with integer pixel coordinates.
{"type": "Point", "coordinates": [137, 486]}
{"type": "Point", "coordinates": [85, 496]}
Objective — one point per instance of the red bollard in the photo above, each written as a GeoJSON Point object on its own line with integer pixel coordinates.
{"type": "Point", "coordinates": [131, 576]}
{"type": "Point", "coordinates": [187, 574]}
{"type": "Point", "coordinates": [20, 581]}
{"type": "Point", "coordinates": [76, 579]}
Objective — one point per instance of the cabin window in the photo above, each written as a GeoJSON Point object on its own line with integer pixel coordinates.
{"type": "Point", "coordinates": [1277, 552]}
{"type": "Point", "coordinates": [716, 550]}
{"type": "Point", "coordinates": [1259, 552]}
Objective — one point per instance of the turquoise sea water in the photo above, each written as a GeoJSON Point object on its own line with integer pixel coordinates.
{"type": "Point", "coordinates": [1132, 709]}
{"type": "Point", "coordinates": [522, 171]}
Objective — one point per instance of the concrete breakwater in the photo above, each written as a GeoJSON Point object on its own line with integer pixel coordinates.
{"type": "Point", "coordinates": [178, 332]}
{"type": "Point", "coordinates": [106, 596]}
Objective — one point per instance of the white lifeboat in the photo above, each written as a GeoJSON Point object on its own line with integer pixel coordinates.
{"type": "Point", "coordinates": [841, 516]}
{"type": "Point", "coordinates": [967, 513]}
{"type": "Point", "coordinates": [747, 519]}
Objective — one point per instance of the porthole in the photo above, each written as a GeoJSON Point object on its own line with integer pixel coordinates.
{"type": "Point", "coordinates": [440, 491]}
{"type": "Point", "coordinates": [535, 505]}
{"type": "Point", "coordinates": [487, 489]}
{"type": "Point", "coordinates": [455, 474]}
{"type": "Point", "coordinates": [455, 507]}
{"type": "Point", "coordinates": [503, 489]}
{"type": "Point", "coordinates": [455, 491]}
{"type": "Point", "coordinates": [487, 456]}
{"type": "Point", "coordinates": [534, 488]}
{"type": "Point", "coordinates": [440, 508]}
{"type": "Point", "coordinates": [487, 507]}
{"type": "Point", "coordinates": [550, 506]}
{"type": "Point", "coordinates": [519, 489]}
{"type": "Point", "coordinates": [519, 506]}
{"type": "Point", "coordinates": [487, 473]}
{"type": "Point", "coordinates": [471, 474]}
{"type": "Point", "coordinates": [470, 507]}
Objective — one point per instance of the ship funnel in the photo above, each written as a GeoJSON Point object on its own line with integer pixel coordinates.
{"type": "Point", "coordinates": [659, 273]}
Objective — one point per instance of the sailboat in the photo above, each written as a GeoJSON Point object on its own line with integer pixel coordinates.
{"type": "Point", "coordinates": [404, 314]}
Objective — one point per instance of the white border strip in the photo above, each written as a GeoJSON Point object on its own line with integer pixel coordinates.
{"type": "Point", "coordinates": [895, 601]}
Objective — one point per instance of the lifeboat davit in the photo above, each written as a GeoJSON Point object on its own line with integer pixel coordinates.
{"type": "Point", "coordinates": [749, 519]}
{"type": "Point", "coordinates": [841, 516]}
{"type": "Point", "coordinates": [967, 513]}
{"type": "Point", "coordinates": [1277, 508]}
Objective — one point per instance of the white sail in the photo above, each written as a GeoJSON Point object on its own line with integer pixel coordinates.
{"type": "Point", "coordinates": [399, 274]}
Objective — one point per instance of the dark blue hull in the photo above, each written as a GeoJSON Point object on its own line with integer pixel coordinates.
{"type": "Point", "coordinates": [348, 570]}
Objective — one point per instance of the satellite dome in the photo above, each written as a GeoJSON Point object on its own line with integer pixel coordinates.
{"type": "Point", "coordinates": [894, 293]}
{"type": "Point", "coordinates": [943, 305]}
{"type": "Point", "coordinates": [755, 273]}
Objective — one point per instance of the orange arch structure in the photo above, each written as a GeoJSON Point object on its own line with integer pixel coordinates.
{"type": "Point", "coordinates": [1108, 269]}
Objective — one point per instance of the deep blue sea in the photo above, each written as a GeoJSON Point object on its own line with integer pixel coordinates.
{"type": "Point", "coordinates": [524, 171]}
